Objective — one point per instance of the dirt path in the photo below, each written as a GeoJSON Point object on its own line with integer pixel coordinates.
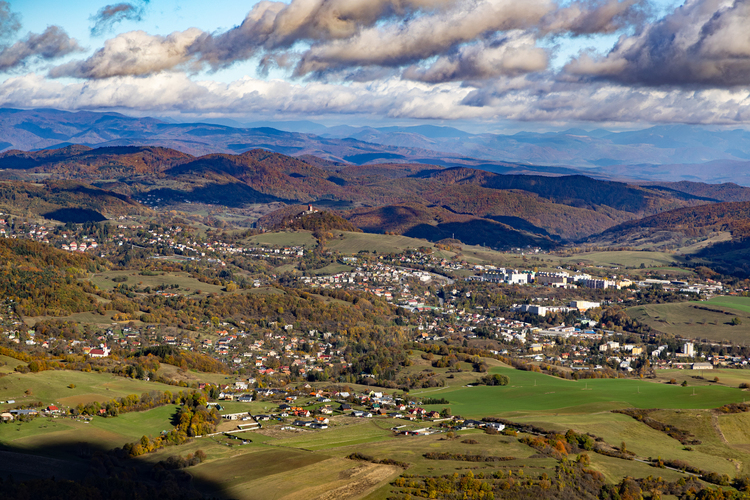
{"type": "Point", "coordinates": [717, 428]}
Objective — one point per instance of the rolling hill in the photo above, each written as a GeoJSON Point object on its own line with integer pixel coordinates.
{"type": "Point", "coordinates": [718, 233]}
{"type": "Point", "coordinates": [414, 199]}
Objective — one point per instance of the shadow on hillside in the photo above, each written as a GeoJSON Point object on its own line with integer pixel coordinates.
{"type": "Point", "coordinates": [231, 195]}
{"type": "Point", "coordinates": [82, 470]}
{"type": "Point", "coordinates": [522, 225]}
{"type": "Point", "coordinates": [480, 232]}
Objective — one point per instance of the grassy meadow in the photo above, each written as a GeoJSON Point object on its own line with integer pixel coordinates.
{"type": "Point", "coordinates": [51, 387]}
{"type": "Point", "coordinates": [535, 392]}
{"type": "Point", "coordinates": [184, 283]}
{"type": "Point", "coordinates": [692, 320]}
{"type": "Point", "coordinates": [284, 239]}
{"type": "Point", "coordinates": [8, 364]}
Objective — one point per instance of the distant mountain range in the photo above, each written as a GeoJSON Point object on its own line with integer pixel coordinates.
{"type": "Point", "coordinates": [669, 153]}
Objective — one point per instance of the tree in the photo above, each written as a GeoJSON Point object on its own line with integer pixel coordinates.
{"type": "Point", "coordinates": [736, 321]}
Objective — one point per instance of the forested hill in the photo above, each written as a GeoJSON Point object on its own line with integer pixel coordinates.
{"type": "Point", "coordinates": [510, 210]}
{"type": "Point", "coordinates": [318, 221]}
{"type": "Point", "coordinates": [730, 216]}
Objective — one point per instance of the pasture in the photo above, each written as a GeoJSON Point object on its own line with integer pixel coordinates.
{"type": "Point", "coordinates": [182, 281]}
{"type": "Point", "coordinates": [52, 387]}
{"type": "Point", "coordinates": [334, 268]}
{"type": "Point", "coordinates": [535, 392]}
{"type": "Point", "coordinates": [104, 433]}
{"type": "Point", "coordinates": [741, 304]}
{"type": "Point", "coordinates": [697, 320]}
{"type": "Point", "coordinates": [624, 259]}
{"type": "Point", "coordinates": [352, 243]}
{"type": "Point", "coordinates": [351, 433]}
{"type": "Point", "coordinates": [284, 239]}
{"type": "Point", "coordinates": [8, 364]}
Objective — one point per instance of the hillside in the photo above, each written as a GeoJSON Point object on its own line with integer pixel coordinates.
{"type": "Point", "coordinates": [22, 198]}
{"type": "Point", "coordinates": [42, 280]}
{"type": "Point", "coordinates": [727, 191]}
{"type": "Point", "coordinates": [273, 174]}
{"type": "Point", "coordinates": [719, 233]}
{"type": "Point", "coordinates": [81, 161]}
{"type": "Point", "coordinates": [563, 208]}
{"type": "Point", "coordinates": [317, 221]}
{"type": "Point", "coordinates": [436, 224]}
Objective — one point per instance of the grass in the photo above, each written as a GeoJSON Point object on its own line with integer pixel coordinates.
{"type": "Point", "coordinates": [625, 259]}
{"type": "Point", "coordinates": [104, 433]}
{"type": "Point", "coordinates": [727, 377]}
{"type": "Point", "coordinates": [134, 425]}
{"type": "Point", "coordinates": [556, 395]}
{"type": "Point", "coordinates": [736, 430]}
{"type": "Point", "coordinates": [284, 239]}
{"type": "Point", "coordinates": [334, 268]}
{"type": "Point", "coordinates": [185, 284]}
{"type": "Point", "coordinates": [644, 441]}
{"type": "Point", "coordinates": [352, 243]}
{"type": "Point", "coordinates": [8, 364]}
{"type": "Point", "coordinates": [690, 320]}
{"type": "Point", "coordinates": [736, 303]}
{"type": "Point", "coordinates": [687, 319]}
{"type": "Point", "coordinates": [52, 387]}
{"type": "Point", "coordinates": [276, 473]}
{"type": "Point", "coordinates": [354, 432]}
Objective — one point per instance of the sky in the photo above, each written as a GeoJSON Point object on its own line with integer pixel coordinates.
{"type": "Point", "coordinates": [477, 64]}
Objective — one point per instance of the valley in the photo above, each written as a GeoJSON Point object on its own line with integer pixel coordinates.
{"type": "Point", "coordinates": [240, 326]}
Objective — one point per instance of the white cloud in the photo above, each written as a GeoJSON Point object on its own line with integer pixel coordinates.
{"type": "Point", "coordinates": [518, 98]}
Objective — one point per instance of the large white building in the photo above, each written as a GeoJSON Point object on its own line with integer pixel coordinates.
{"type": "Point", "coordinates": [688, 349]}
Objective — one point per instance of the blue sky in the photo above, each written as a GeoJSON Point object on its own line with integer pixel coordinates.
{"type": "Point", "coordinates": [479, 64]}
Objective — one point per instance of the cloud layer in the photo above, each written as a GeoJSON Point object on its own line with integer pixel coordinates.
{"type": "Point", "coordinates": [320, 38]}
{"type": "Point", "coordinates": [430, 59]}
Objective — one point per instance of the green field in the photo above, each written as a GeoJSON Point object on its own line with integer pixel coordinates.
{"type": "Point", "coordinates": [688, 320]}
{"type": "Point", "coordinates": [334, 268]}
{"type": "Point", "coordinates": [284, 239]}
{"type": "Point", "coordinates": [8, 364]}
{"type": "Point", "coordinates": [52, 387]}
{"type": "Point", "coordinates": [185, 284]}
{"type": "Point", "coordinates": [103, 432]}
{"type": "Point", "coordinates": [309, 463]}
{"type": "Point", "coordinates": [552, 394]}
{"type": "Point", "coordinates": [356, 432]}
{"type": "Point", "coordinates": [352, 243]}
{"type": "Point", "coordinates": [624, 259]}
{"type": "Point", "coordinates": [736, 303]}
{"type": "Point", "coordinates": [134, 425]}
